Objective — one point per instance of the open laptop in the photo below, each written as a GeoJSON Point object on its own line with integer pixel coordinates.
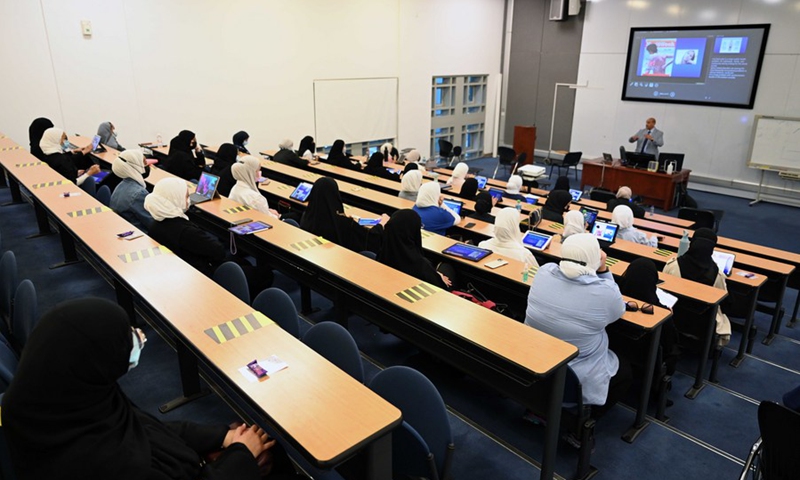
{"type": "Point", "coordinates": [301, 192]}
{"type": "Point", "coordinates": [724, 261]}
{"type": "Point", "coordinates": [453, 205]}
{"type": "Point", "coordinates": [206, 188]}
{"type": "Point", "coordinates": [605, 232]}
{"type": "Point", "coordinates": [96, 147]}
{"type": "Point", "coordinates": [576, 194]}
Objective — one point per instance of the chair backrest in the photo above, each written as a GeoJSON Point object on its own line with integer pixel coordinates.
{"type": "Point", "coordinates": [573, 390]}
{"type": "Point", "coordinates": [103, 195]}
{"type": "Point", "coordinates": [445, 148]}
{"type": "Point", "coordinates": [291, 222]}
{"type": "Point", "coordinates": [572, 158]}
{"type": "Point", "coordinates": [8, 364]}
{"type": "Point", "coordinates": [369, 254]}
{"type": "Point", "coordinates": [622, 153]}
{"type": "Point", "coordinates": [277, 305]}
{"type": "Point", "coordinates": [25, 314]}
{"type": "Point", "coordinates": [8, 285]}
{"type": "Point", "coordinates": [701, 218]}
{"type": "Point", "coordinates": [422, 407]}
{"type": "Point", "coordinates": [601, 195]}
{"type": "Point", "coordinates": [231, 277]}
{"type": "Point", "coordinates": [780, 441]}
{"type": "Point", "coordinates": [457, 151]}
{"type": "Point", "coordinates": [506, 155]}
{"type": "Point", "coordinates": [335, 343]}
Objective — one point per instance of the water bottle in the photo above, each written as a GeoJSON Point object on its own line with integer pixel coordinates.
{"type": "Point", "coordinates": [519, 205]}
{"type": "Point", "coordinates": [652, 210]}
{"type": "Point", "coordinates": [158, 140]}
{"type": "Point", "coordinates": [683, 245]}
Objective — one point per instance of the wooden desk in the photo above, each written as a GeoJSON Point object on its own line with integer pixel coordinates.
{"type": "Point", "coordinates": [656, 188]}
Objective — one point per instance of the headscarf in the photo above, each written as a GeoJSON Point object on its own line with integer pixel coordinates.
{"type": "Point", "coordinates": [286, 144]}
{"type": "Point", "coordinates": [469, 189]}
{"type": "Point", "coordinates": [622, 216]}
{"type": "Point", "coordinates": [428, 195]}
{"type": "Point", "coordinates": [35, 132]}
{"type": "Point", "coordinates": [238, 141]}
{"type": "Point", "coordinates": [182, 142]}
{"type": "Point", "coordinates": [130, 164]}
{"type": "Point", "coordinates": [225, 157]}
{"type": "Point", "coordinates": [324, 204]}
{"type": "Point", "coordinates": [337, 151]}
{"type": "Point", "coordinates": [562, 183]}
{"type": "Point", "coordinates": [640, 280]}
{"type": "Point", "coordinates": [413, 156]}
{"type": "Point", "coordinates": [402, 246]}
{"type": "Point", "coordinates": [624, 192]}
{"type": "Point", "coordinates": [245, 171]}
{"type": "Point", "coordinates": [375, 164]}
{"type": "Point", "coordinates": [574, 223]}
{"type": "Point", "coordinates": [514, 184]}
{"type": "Point", "coordinates": [557, 201]}
{"type": "Point", "coordinates": [696, 264]}
{"type": "Point", "coordinates": [307, 145]}
{"type": "Point", "coordinates": [483, 203]}
{"type": "Point", "coordinates": [64, 415]}
{"type": "Point", "coordinates": [51, 141]}
{"type": "Point", "coordinates": [168, 199]}
{"type": "Point", "coordinates": [386, 149]}
{"type": "Point", "coordinates": [411, 181]}
{"type": "Point", "coordinates": [582, 247]}
{"type": "Point", "coordinates": [410, 166]}
{"type": "Point", "coordinates": [107, 136]}
{"type": "Point", "coordinates": [461, 171]}
{"type": "Point", "coordinates": [506, 229]}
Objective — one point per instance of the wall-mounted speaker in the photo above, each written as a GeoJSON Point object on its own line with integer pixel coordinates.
{"type": "Point", "coordinates": [558, 10]}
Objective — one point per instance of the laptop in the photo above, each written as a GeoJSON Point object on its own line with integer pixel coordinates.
{"type": "Point", "coordinates": [724, 261]}
{"type": "Point", "coordinates": [302, 192]}
{"type": "Point", "coordinates": [467, 252]}
{"type": "Point", "coordinates": [481, 182]}
{"type": "Point", "coordinates": [576, 194]}
{"type": "Point", "coordinates": [96, 147]}
{"type": "Point", "coordinates": [605, 232]}
{"type": "Point", "coordinates": [589, 216]}
{"type": "Point", "coordinates": [453, 205]}
{"type": "Point", "coordinates": [206, 189]}
{"type": "Point", "coordinates": [607, 158]}
{"type": "Point", "coordinates": [536, 241]}
{"type": "Point", "coordinates": [665, 158]}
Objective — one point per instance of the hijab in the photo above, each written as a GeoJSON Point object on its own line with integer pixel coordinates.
{"type": "Point", "coordinates": [226, 156]}
{"type": "Point", "coordinates": [402, 247]}
{"type": "Point", "coordinates": [286, 144]}
{"type": "Point", "coordinates": [307, 145]}
{"type": "Point", "coordinates": [582, 247]}
{"type": "Point", "coordinates": [245, 171]}
{"type": "Point", "coordinates": [483, 203]}
{"type": "Point", "coordinates": [574, 223]}
{"type": "Point", "coordinates": [562, 183]}
{"type": "Point", "coordinates": [375, 164]}
{"type": "Point", "coordinates": [51, 141]}
{"type": "Point", "coordinates": [557, 201]}
{"type": "Point", "coordinates": [409, 167]}
{"type": "Point", "coordinates": [514, 184]}
{"type": "Point", "coordinates": [35, 132]}
{"type": "Point", "coordinates": [413, 156]}
{"type": "Point", "coordinates": [506, 230]}
{"type": "Point", "coordinates": [622, 216]}
{"type": "Point", "coordinates": [386, 149]}
{"type": "Point", "coordinates": [168, 199]}
{"type": "Point", "coordinates": [624, 192]}
{"type": "Point", "coordinates": [182, 143]}
{"type": "Point", "coordinates": [428, 195]}
{"type": "Point", "coordinates": [469, 189]}
{"type": "Point", "coordinates": [460, 172]}
{"type": "Point", "coordinates": [324, 205]}
{"type": "Point", "coordinates": [238, 141]}
{"type": "Point", "coordinates": [696, 264]}
{"type": "Point", "coordinates": [337, 151]}
{"type": "Point", "coordinates": [640, 280]}
{"type": "Point", "coordinates": [411, 181]}
{"type": "Point", "coordinates": [130, 164]}
{"type": "Point", "coordinates": [107, 136]}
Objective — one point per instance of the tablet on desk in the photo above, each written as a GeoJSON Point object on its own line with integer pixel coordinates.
{"type": "Point", "coordinates": [605, 232]}
{"type": "Point", "coordinates": [481, 182]}
{"type": "Point", "coordinates": [467, 252]}
{"type": "Point", "coordinates": [369, 222]}
{"type": "Point", "coordinates": [532, 199]}
{"type": "Point", "coordinates": [453, 205]}
{"type": "Point", "coordinates": [536, 241]}
{"type": "Point", "coordinates": [589, 216]}
{"type": "Point", "coordinates": [248, 228]}
{"type": "Point", "coordinates": [576, 194]}
{"type": "Point", "coordinates": [496, 193]}
{"type": "Point", "coordinates": [100, 176]}
{"type": "Point", "coordinates": [302, 192]}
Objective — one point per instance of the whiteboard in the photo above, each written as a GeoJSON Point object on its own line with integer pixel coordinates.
{"type": "Point", "coordinates": [775, 144]}
{"type": "Point", "coordinates": [355, 110]}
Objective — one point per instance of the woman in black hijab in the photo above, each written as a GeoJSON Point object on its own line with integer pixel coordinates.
{"type": "Point", "coordinates": [696, 264]}
{"type": "Point", "coordinates": [337, 156]}
{"type": "Point", "coordinates": [375, 167]}
{"type": "Point", "coordinates": [325, 216]}
{"type": "Point", "coordinates": [35, 132]}
{"type": "Point", "coordinates": [557, 203]}
{"type": "Point", "coordinates": [409, 166]}
{"type": "Point", "coordinates": [226, 157]}
{"type": "Point", "coordinates": [65, 416]}
{"type": "Point", "coordinates": [185, 158]}
{"type": "Point", "coordinates": [483, 207]}
{"type": "Point", "coordinates": [562, 183]}
{"type": "Point", "coordinates": [402, 248]}
{"type": "Point", "coordinates": [469, 189]}
{"type": "Point", "coordinates": [240, 141]}
{"type": "Point", "coordinates": [307, 145]}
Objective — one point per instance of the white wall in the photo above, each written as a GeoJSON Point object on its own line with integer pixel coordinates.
{"type": "Point", "coordinates": [160, 66]}
{"type": "Point", "coordinates": [715, 140]}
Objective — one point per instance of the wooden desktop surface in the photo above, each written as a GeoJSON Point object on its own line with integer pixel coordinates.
{"type": "Point", "coordinates": [655, 187]}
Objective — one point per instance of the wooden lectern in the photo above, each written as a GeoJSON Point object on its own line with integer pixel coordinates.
{"type": "Point", "coordinates": [525, 141]}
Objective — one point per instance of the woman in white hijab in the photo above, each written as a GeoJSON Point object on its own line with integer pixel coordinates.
{"type": "Point", "coordinates": [507, 240]}
{"type": "Point", "coordinates": [436, 217]}
{"type": "Point", "coordinates": [574, 222]}
{"type": "Point", "coordinates": [574, 300]}
{"type": "Point", "coordinates": [458, 177]}
{"type": "Point", "coordinates": [410, 184]}
{"type": "Point", "coordinates": [513, 188]}
{"type": "Point", "coordinates": [128, 197]}
{"type": "Point", "coordinates": [246, 172]}
{"type": "Point", "coordinates": [623, 216]}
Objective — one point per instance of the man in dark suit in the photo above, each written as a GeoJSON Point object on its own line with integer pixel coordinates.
{"type": "Point", "coordinates": [649, 138]}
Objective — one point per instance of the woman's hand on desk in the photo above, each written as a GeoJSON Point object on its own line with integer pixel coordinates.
{"type": "Point", "coordinates": [384, 219]}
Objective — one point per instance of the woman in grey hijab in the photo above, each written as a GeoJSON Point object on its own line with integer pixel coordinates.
{"type": "Point", "coordinates": [108, 136]}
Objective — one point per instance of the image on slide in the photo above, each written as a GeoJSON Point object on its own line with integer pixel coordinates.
{"type": "Point", "coordinates": [656, 57]}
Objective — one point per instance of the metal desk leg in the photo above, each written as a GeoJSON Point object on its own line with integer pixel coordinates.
{"type": "Point", "coordinates": [379, 463]}
{"type": "Point", "coordinates": [190, 380]}
{"type": "Point", "coordinates": [701, 366]}
{"type": "Point", "coordinates": [639, 423]}
{"type": "Point", "coordinates": [775, 326]}
{"type": "Point", "coordinates": [305, 300]}
{"type": "Point", "coordinates": [3, 182]}
{"type": "Point", "coordinates": [553, 423]}
{"type": "Point", "coordinates": [748, 324]}
{"type": "Point", "coordinates": [125, 300]}
{"type": "Point", "coordinates": [42, 221]}
{"type": "Point", "coordinates": [16, 196]}
{"type": "Point", "coordinates": [793, 320]}
{"type": "Point", "coordinates": [68, 246]}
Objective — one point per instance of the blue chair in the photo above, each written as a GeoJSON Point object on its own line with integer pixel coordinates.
{"type": "Point", "coordinates": [231, 277]}
{"type": "Point", "coordinates": [103, 195]}
{"type": "Point", "coordinates": [335, 343]}
{"type": "Point", "coordinates": [277, 305]}
{"type": "Point", "coordinates": [291, 222]}
{"type": "Point", "coordinates": [8, 364]}
{"type": "Point", "coordinates": [425, 414]}
{"type": "Point", "coordinates": [8, 285]}
{"type": "Point", "coordinates": [369, 254]}
{"type": "Point", "coordinates": [25, 314]}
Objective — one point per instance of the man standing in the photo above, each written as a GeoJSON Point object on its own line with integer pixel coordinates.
{"type": "Point", "coordinates": [649, 138]}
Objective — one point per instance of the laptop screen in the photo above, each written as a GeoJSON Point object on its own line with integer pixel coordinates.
{"type": "Point", "coordinates": [95, 142]}
{"type": "Point", "coordinates": [453, 205]}
{"type": "Point", "coordinates": [481, 182]}
{"type": "Point", "coordinates": [207, 185]}
{"type": "Point", "coordinates": [301, 192]}
{"type": "Point", "coordinates": [532, 199]}
{"type": "Point", "coordinates": [467, 252]}
{"type": "Point", "coordinates": [605, 231]}
{"type": "Point", "coordinates": [724, 261]}
{"type": "Point", "coordinates": [576, 194]}
{"type": "Point", "coordinates": [494, 192]}
{"type": "Point", "coordinates": [536, 240]}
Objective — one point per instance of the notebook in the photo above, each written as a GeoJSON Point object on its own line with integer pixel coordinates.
{"type": "Point", "coordinates": [605, 232]}
{"type": "Point", "coordinates": [724, 261]}
{"type": "Point", "coordinates": [206, 189]}
{"type": "Point", "coordinates": [481, 182]}
{"type": "Point", "coordinates": [576, 194]}
{"type": "Point", "coordinates": [536, 241]}
{"type": "Point", "coordinates": [467, 252]}
{"type": "Point", "coordinates": [453, 205]}
{"type": "Point", "coordinates": [301, 192]}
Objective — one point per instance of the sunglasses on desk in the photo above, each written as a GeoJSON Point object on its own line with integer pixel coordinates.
{"type": "Point", "coordinates": [632, 306]}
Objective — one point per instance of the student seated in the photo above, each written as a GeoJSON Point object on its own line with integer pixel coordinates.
{"type": "Point", "coordinates": [562, 183]}
{"type": "Point", "coordinates": [623, 216]}
{"type": "Point", "coordinates": [484, 203]}
{"type": "Point", "coordinates": [240, 140]}
{"type": "Point", "coordinates": [287, 156]}
{"type": "Point", "coordinates": [414, 157]}
{"type": "Point", "coordinates": [227, 155]}
{"type": "Point", "coordinates": [513, 187]}
{"type": "Point", "coordinates": [77, 166]}
{"type": "Point", "coordinates": [402, 249]}
{"type": "Point", "coordinates": [247, 172]}
{"type": "Point", "coordinates": [390, 153]}
{"type": "Point", "coordinates": [469, 189]}
{"type": "Point", "coordinates": [108, 136]}
{"type": "Point", "coordinates": [624, 195]}
{"type": "Point", "coordinates": [324, 216]}
{"type": "Point", "coordinates": [409, 166]}
{"type": "Point", "coordinates": [458, 176]}
{"type": "Point", "coordinates": [507, 240]}
{"type": "Point", "coordinates": [574, 222]}
{"type": "Point", "coordinates": [186, 158]}
{"type": "Point", "coordinates": [127, 199]}
{"type": "Point", "coordinates": [65, 416]}
{"type": "Point", "coordinates": [436, 217]}
{"type": "Point", "coordinates": [307, 149]}
{"type": "Point", "coordinates": [556, 205]}
{"type": "Point", "coordinates": [375, 167]}
{"type": "Point", "coordinates": [409, 186]}
{"type": "Point", "coordinates": [35, 132]}
{"type": "Point", "coordinates": [574, 300]}
{"type": "Point", "coordinates": [337, 156]}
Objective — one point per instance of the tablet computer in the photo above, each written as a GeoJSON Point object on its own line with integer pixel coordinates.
{"type": "Point", "coordinates": [724, 261]}
{"type": "Point", "coordinates": [532, 199]}
{"type": "Point", "coordinates": [453, 205]}
{"type": "Point", "coordinates": [496, 193]}
{"type": "Point", "coordinates": [536, 241]}
{"type": "Point", "coordinates": [467, 252]}
{"type": "Point", "coordinates": [100, 176]}
{"type": "Point", "coordinates": [369, 222]}
{"type": "Point", "coordinates": [605, 232]}
{"type": "Point", "coordinates": [589, 216]}
{"type": "Point", "coordinates": [576, 194]}
{"type": "Point", "coordinates": [301, 192]}
{"type": "Point", "coordinates": [248, 228]}
{"type": "Point", "coordinates": [481, 182]}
